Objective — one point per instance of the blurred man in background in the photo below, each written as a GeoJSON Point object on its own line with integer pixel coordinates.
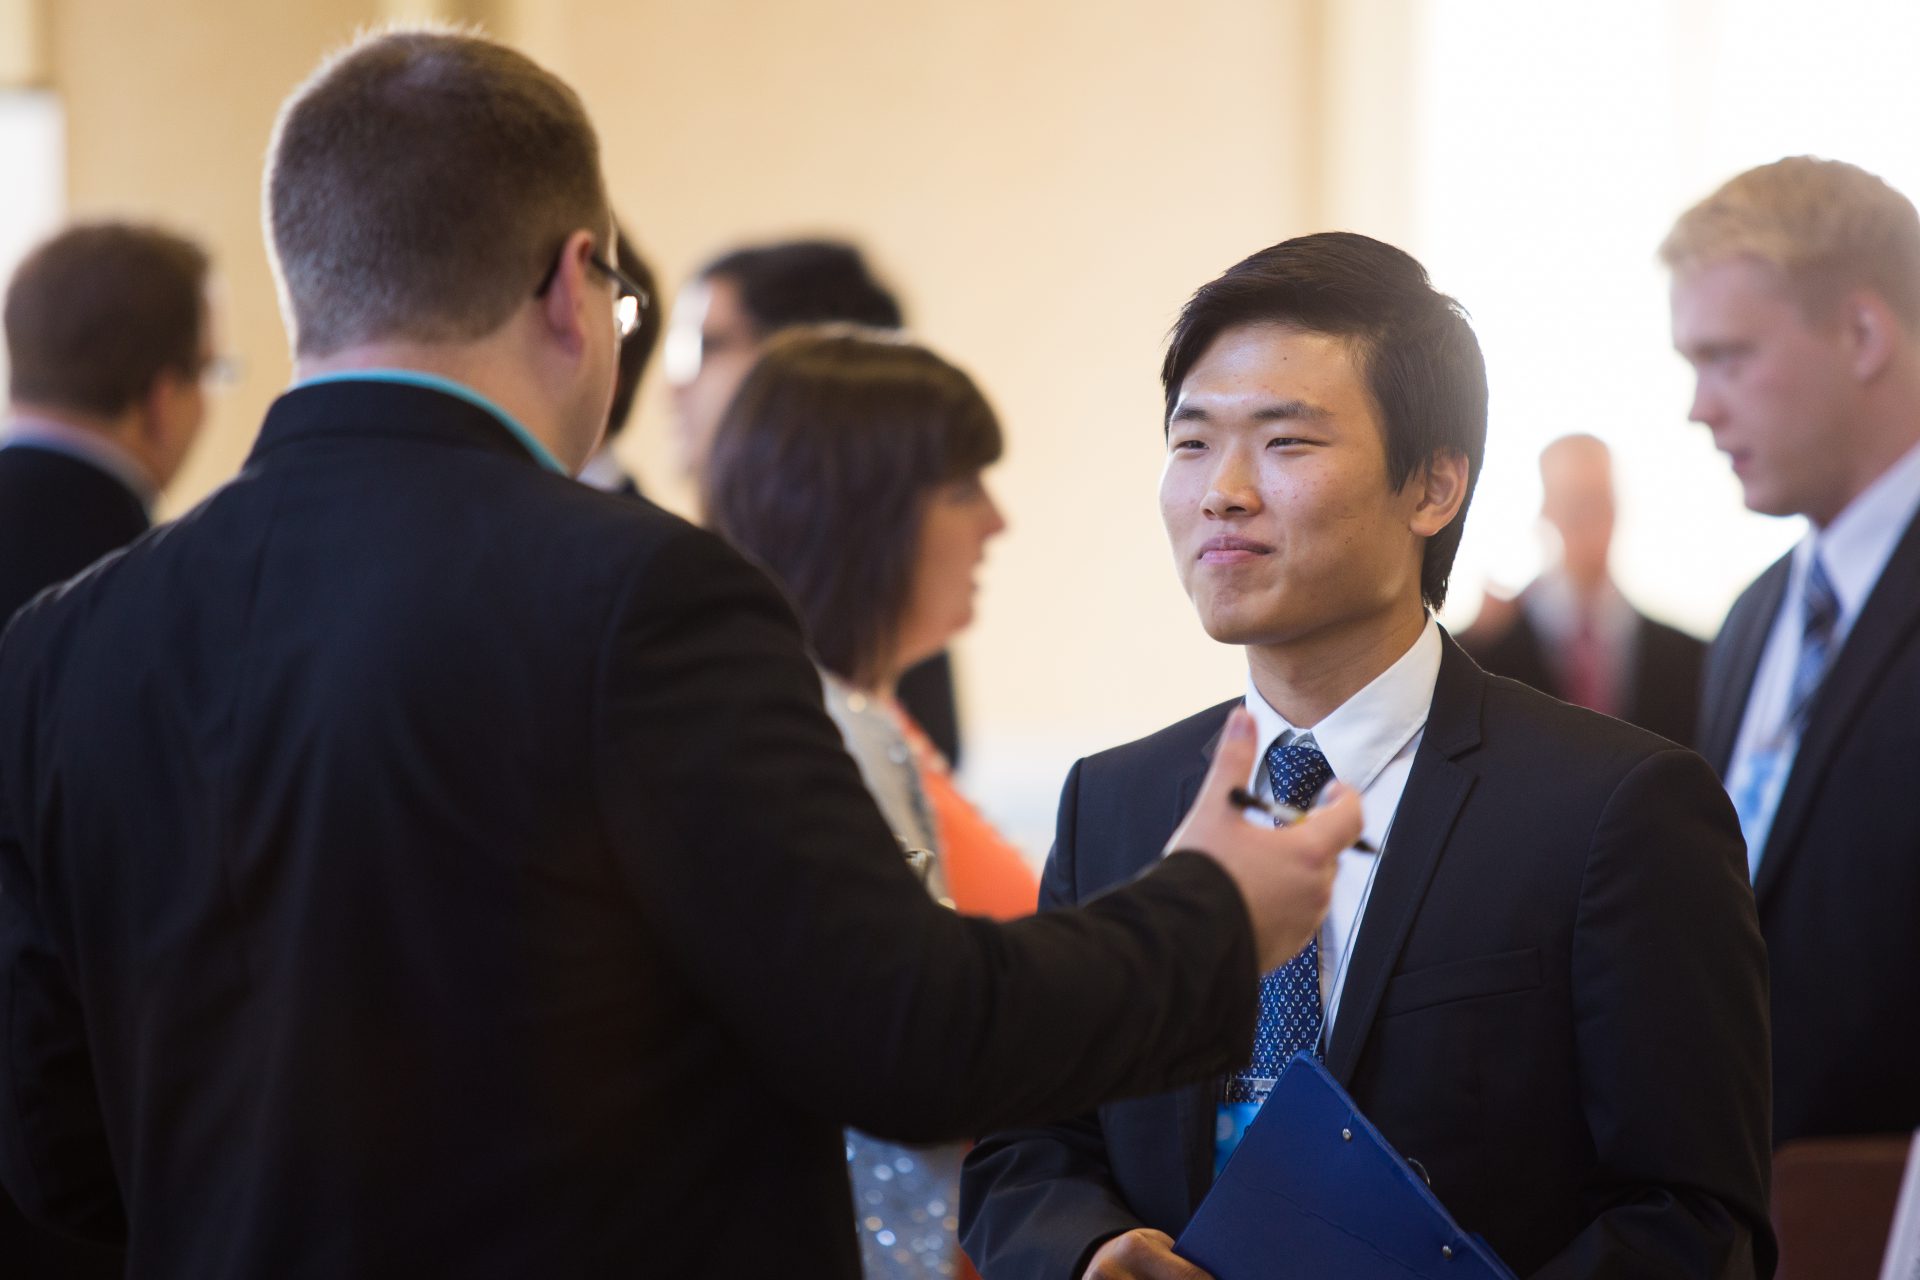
{"type": "Point", "coordinates": [723, 319]}
{"type": "Point", "coordinates": [109, 336]}
{"type": "Point", "coordinates": [1796, 299]}
{"type": "Point", "coordinates": [1571, 633]}
{"type": "Point", "coordinates": [109, 341]}
{"type": "Point", "coordinates": [603, 470]}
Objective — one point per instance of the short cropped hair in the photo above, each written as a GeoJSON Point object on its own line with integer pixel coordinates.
{"type": "Point", "coordinates": [419, 186]}
{"type": "Point", "coordinates": [823, 466]}
{"type": "Point", "coordinates": [637, 347]}
{"type": "Point", "coordinates": [1413, 345]}
{"type": "Point", "coordinates": [1826, 226]}
{"type": "Point", "coordinates": [795, 282]}
{"type": "Point", "coordinates": [98, 311]}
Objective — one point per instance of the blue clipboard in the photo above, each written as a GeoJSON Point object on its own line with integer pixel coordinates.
{"type": "Point", "coordinates": [1313, 1191]}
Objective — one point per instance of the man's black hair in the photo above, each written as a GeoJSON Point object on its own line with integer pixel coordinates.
{"type": "Point", "coordinates": [806, 282]}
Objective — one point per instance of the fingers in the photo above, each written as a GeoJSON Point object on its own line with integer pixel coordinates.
{"type": "Point", "coordinates": [1334, 824]}
{"type": "Point", "coordinates": [1141, 1254]}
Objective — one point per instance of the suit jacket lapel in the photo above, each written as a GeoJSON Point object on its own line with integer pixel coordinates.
{"type": "Point", "coordinates": [1436, 788]}
{"type": "Point", "coordinates": [1735, 663]}
{"type": "Point", "coordinates": [1886, 624]}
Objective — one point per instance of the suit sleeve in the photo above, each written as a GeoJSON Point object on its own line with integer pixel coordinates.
{"type": "Point", "coordinates": [54, 1159]}
{"type": "Point", "coordinates": [1037, 1201]}
{"type": "Point", "coordinates": [758, 859]}
{"type": "Point", "coordinates": [1670, 1019]}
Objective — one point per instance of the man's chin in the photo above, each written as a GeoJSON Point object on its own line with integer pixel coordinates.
{"type": "Point", "coordinates": [1228, 628]}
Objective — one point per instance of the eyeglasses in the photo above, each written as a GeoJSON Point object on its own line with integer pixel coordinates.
{"type": "Point", "coordinates": [630, 298]}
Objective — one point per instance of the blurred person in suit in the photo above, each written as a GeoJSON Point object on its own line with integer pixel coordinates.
{"type": "Point", "coordinates": [109, 343]}
{"type": "Point", "coordinates": [1796, 300]}
{"type": "Point", "coordinates": [722, 321]}
{"type": "Point", "coordinates": [604, 470]}
{"type": "Point", "coordinates": [1571, 633]}
{"type": "Point", "coordinates": [1547, 986]}
{"type": "Point", "coordinates": [850, 465]}
{"type": "Point", "coordinates": [109, 339]}
{"type": "Point", "coordinates": [414, 862]}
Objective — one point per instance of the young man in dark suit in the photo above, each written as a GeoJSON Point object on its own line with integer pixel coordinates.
{"type": "Point", "coordinates": [1548, 986]}
{"type": "Point", "coordinates": [417, 863]}
{"type": "Point", "coordinates": [109, 338]}
{"type": "Point", "coordinates": [1796, 298]}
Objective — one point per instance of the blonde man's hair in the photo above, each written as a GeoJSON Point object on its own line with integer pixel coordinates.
{"type": "Point", "coordinates": [1826, 226]}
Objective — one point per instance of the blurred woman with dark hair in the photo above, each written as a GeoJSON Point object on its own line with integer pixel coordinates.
{"type": "Point", "coordinates": [850, 465]}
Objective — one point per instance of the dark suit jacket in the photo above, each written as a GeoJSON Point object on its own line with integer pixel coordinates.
{"type": "Point", "coordinates": [1663, 685]}
{"type": "Point", "coordinates": [1556, 1002]}
{"type": "Point", "coordinates": [413, 862]}
{"type": "Point", "coordinates": [1839, 881]}
{"type": "Point", "coordinates": [57, 516]}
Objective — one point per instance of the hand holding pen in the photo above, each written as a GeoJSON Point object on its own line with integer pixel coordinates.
{"type": "Point", "coordinates": [1283, 815]}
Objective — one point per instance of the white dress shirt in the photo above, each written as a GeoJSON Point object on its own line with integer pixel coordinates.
{"type": "Point", "coordinates": [1854, 549]}
{"type": "Point", "coordinates": [1369, 742]}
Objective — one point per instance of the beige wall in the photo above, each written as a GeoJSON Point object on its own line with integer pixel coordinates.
{"type": "Point", "coordinates": [1045, 181]}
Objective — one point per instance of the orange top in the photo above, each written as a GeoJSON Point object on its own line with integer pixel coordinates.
{"type": "Point", "coordinates": [986, 876]}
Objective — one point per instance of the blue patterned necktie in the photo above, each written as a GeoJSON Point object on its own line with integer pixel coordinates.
{"type": "Point", "coordinates": [1820, 610]}
{"type": "Point", "coordinates": [1290, 1011]}
{"type": "Point", "coordinates": [1756, 786]}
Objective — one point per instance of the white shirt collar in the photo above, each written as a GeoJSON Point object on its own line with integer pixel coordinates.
{"type": "Point", "coordinates": [94, 448]}
{"type": "Point", "coordinates": [1860, 541]}
{"type": "Point", "coordinates": [1362, 735]}
{"type": "Point", "coordinates": [603, 470]}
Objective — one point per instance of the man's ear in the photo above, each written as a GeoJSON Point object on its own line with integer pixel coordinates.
{"type": "Point", "coordinates": [563, 307]}
{"type": "Point", "coordinates": [1871, 331]}
{"type": "Point", "coordinates": [1440, 490]}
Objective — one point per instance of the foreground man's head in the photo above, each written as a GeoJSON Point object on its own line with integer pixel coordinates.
{"type": "Point", "coordinates": [1326, 418]}
{"type": "Point", "coordinates": [435, 200]}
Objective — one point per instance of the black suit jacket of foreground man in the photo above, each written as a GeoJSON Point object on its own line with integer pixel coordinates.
{"type": "Point", "coordinates": [1556, 1003]}
{"type": "Point", "coordinates": [415, 863]}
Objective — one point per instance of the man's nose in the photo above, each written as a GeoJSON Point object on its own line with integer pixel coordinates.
{"type": "Point", "coordinates": [1233, 488]}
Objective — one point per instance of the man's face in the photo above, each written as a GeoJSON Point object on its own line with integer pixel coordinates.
{"type": "Point", "coordinates": [1275, 493]}
{"type": "Point", "coordinates": [583, 417]}
{"type": "Point", "coordinates": [712, 343]}
{"type": "Point", "coordinates": [1577, 500]}
{"type": "Point", "coordinates": [1777, 393]}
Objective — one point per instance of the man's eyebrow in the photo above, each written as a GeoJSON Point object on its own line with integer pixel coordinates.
{"type": "Point", "coordinates": [1290, 411]}
{"type": "Point", "coordinates": [1273, 411]}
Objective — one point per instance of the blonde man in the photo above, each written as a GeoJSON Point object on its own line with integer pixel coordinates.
{"type": "Point", "coordinates": [1796, 299]}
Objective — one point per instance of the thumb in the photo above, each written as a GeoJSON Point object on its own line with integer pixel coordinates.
{"type": "Point", "coordinates": [1232, 759]}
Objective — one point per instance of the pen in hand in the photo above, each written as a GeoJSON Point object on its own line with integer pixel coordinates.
{"type": "Point", "coordinates": [1283, 815]}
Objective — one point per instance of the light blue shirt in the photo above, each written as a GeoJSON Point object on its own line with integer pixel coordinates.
{"type": "Point", "coordinates": [1854, 550]}
{"type": "Point", "coordinates": [459, 390]}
